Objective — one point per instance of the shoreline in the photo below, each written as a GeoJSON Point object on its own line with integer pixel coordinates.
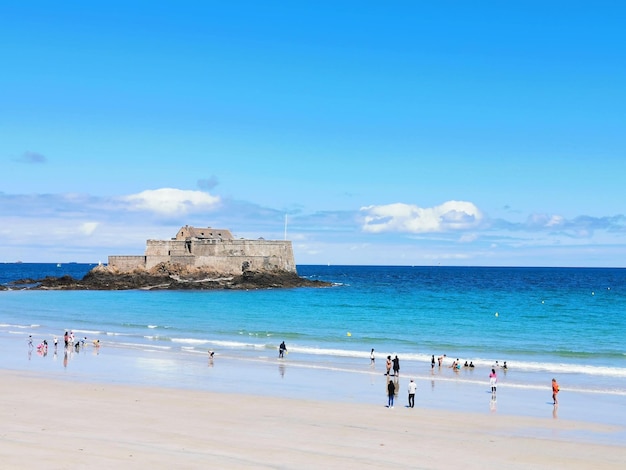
{"type": "Point", "coordinates": [67, 423]}
{"type": "Point", "coordinates": [291, 378]}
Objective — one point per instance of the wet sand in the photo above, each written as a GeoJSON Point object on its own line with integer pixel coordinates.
{"type": "Point", "coordinates": [59, 423]}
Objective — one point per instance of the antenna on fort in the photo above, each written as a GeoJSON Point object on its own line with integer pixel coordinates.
{"type": "Point", "coordinates": [285, 227]}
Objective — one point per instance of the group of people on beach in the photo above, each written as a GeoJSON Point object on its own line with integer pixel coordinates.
{"type": "Point", "coordinates": [392, 390]}
{"type": "Point", "coordinates": [390, 364]}
{"type": "Point", "coordinates": [69, 340]}
{"type": "Point", "coordinates": [393, 364]}
{"type": "Point", "coordinates": [393, 385]}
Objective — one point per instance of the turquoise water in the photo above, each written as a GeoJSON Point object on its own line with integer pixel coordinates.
{"type": "Point", "coordinates": [564, 322]}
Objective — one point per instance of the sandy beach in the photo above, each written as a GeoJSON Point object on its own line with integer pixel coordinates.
{"type": "Point", "coordinates": [63, 424]}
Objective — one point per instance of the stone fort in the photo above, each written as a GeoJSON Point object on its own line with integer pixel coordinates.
{"type": "Point", "coordinates": [214, 250]}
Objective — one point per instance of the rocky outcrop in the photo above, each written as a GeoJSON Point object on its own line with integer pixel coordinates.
{"type": "Point", "coordinates": [168, 276]}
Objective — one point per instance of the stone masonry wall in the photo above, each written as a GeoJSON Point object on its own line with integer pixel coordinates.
{"type": "Point", "coordinates": [225, 256]}
{"type": "Point", "coordinates": [127, 263]}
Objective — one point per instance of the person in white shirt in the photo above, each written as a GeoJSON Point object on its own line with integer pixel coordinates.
{"type": "Point", "coordinates": [412, 389]}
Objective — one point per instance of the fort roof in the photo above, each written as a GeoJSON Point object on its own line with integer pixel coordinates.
{"type": "Point", "coordinates": [187, 232]}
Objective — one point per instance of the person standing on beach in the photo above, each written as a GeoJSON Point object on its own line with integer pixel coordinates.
{"type": "Point", "coordinates": [412, 389]}
{"type": "Point", "coordinates": [281, 350]}
{"type": "Point", "coordinates": [388, 364]}
{"type": "Point", "coordinates": [391, 391]}
{"type": "Point", "coordinates": [555, 391]}
{"type": "Point", "coordinates": [432, 363]}
{"type": "Point", "coordinates": [372, 358]}
{"type": "Point", "coordinates": [493, 380]}
{"type": "Point", "coordinates": [396, 366]}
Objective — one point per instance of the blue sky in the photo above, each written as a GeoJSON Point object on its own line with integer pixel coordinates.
{"type": "Point", "coordinates": [398, 133]}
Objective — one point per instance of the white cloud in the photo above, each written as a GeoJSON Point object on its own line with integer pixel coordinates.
{"type": "Point", "coordinates": [546, 221]}
{"type": "Point", "coordinates": [409, 218]}
{"type": "Point", "coordinates": [88, 228]}
{"type": "Point", "coordinates": [555, 221]}
{"type": "Point", "coordinates": [170, 201]}
{"type": "Point", "coordinates": [468, 237]}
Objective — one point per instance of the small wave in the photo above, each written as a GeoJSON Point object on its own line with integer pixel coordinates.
{"type": "Point", "coordinates": [141, 326]}
{"type": "Point", "coordinates": [238, 345]}
{"type": "Point", "coordinates": [257, 334]}
{"type": "Point", "coordinates": [559, 368]}
{"type": "Point", "coordinates": [158, 338]}
{"type": "Point", "coordinates": [88, 332]}
{"type": "Point", "coordinates": [141, 346]}
{"type": "Point", "coordinates": [189, 340]}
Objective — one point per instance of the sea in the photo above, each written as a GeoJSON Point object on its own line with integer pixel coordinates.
{"type": "Point", "coordinates": [564, 323]}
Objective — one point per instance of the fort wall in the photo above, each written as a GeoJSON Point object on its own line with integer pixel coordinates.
{"type": "Point", "coordinates": [225, 256]}
{"type": "Point", "coordinates": [127, 263]}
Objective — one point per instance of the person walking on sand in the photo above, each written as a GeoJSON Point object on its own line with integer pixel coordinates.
{"type": "Point", "coordinates": [493, 380]}
{"type": "Point", "coordinates": [391, 391]}
{"type": "Point", "coordinates": [372, 358]}
{"type": "Point", "coordinates": [555, 391]}
{"type": "Point", "coordinates": [412, 389]}
{"type": "Point", "coordinates": [281, 350]}
{"type": "Point", "coordinates": [432, 363]}
{"type": "Point", "coordinates": [396, 366]}
{"type": "Point", "coordinates": [388, 364]}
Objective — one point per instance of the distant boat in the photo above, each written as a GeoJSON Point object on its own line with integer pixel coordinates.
{"type": "Point", "coordinates": [58, 265]}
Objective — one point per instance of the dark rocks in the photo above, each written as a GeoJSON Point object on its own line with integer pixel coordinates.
{"type": "Point", "coordinates": [172, 277]}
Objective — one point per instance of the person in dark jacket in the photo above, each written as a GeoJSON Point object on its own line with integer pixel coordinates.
{"type": "Point", "coordinates": [391, 391]}
{"type": "Point", "coordinates": [396, 366]}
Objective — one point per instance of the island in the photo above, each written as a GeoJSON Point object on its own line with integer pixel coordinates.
{"type": "Point", "coordinates": [196, 258]}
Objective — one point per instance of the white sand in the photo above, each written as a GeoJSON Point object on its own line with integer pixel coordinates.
{"type": "Point", "coordinates": [60, 424]}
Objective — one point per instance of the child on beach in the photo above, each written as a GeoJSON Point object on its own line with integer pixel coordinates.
{"type": "Point", "coordinates": [555, 391]}
{"type": "Point", "coordinates": [493, 380]}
